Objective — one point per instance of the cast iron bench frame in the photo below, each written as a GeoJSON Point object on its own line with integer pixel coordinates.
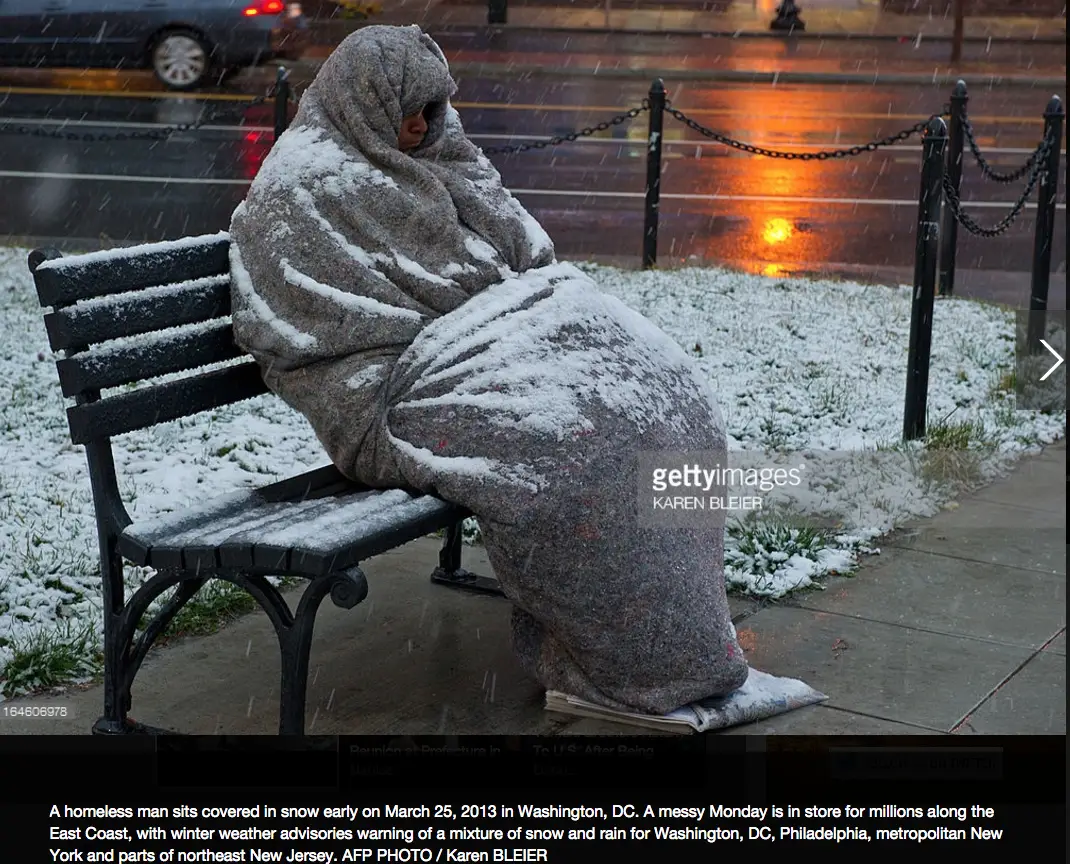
{"type": "Point", "coordinates": [146, 291]}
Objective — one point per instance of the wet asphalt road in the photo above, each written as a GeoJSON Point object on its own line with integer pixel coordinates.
{"type": "Point", "coordinates": [589, 49]}
{"type": "Point", "coordinates": [770, 215]}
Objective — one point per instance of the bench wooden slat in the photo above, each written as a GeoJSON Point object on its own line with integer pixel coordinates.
{"type": "Point", "coordinates": [97, 274]}
{"type": "Point", "coordinates": [410, 526]}
{"type": "Point", "coordinates": [170, 352]}
{"type": "Point", "coordinates": [162, 403]}
{"type": "Point", "coordinates": [186, 303]}
{"type": "Point", "coordinates": [311, 537]}
{"type": "Point", "coordinates": [339, 532]}
{"type": "Point", "coordinates": [316, 483]}
{"type": "Point", "coordinates": [201, 546]}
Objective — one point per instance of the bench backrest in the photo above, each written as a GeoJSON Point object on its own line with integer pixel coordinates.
{"type": "Point", "coordinates": [175, 297]}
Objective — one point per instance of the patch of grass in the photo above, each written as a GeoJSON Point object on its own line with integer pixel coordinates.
{"type": "Point", "coordinates": [775, 432]}
{"type": "Point", "coordinates": [782, 532]}
{"type": "Point", "coordinates": [217, 604]}
{"type": "Point", "coordinates": [979, 353]}
{"type": "Point", "coordinates": [50, 660]}
{"type": "Point", "coordinates": [793, 329]}
{"type": "Point", "coordinates": [832, 398]}
{"type": "Point", "coordinates": [892, 445]}
{"type": "Point", "coordinates": [954, 452]}
{"type": "Point", "coordinates": [1003, 385]}
{"type": "Point", "coordinates": [471, 534]}
{"type": "Point", "coordinates": [760, 544]}
{"type": "Point", "coordinates": [1006, 415]}
{"type": "Point", "coordinates": [947, 434]}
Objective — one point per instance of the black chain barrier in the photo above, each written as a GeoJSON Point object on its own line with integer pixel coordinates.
{"type": "Point", "coordinates": [140, 135]}
{"type": "Point", "coordinates": [987, 170]}
{"type": "Point", "coordinates": [1036, 168]}
{"type": "Point", "coordinates": [587, 131]}
{"type": "Point", "coordinates": [941, 176]}
{"type": "Point", "coordinates": [604, 126]}
{"type": "Point", "coordinates": [819, 156]}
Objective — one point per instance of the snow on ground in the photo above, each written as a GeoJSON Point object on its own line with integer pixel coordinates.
{"type": "Point", "coordinates": [812, 371]}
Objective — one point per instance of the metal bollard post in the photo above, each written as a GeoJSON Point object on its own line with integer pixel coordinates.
{"type": "Point", "coordinates": [282, 101]}
{"type": "Point", "coordinates": [653, 174]}
{"type": "Point", "coordinates": [958, 31]}
{"type": "Point", "coordinates": [949, 228]}
{"type": "Point", "coordinates": [1044, 235]}
{"type": "Point", "coordinates": [497, 11]}
{"type": "Point", "coordinates": [926, 249]}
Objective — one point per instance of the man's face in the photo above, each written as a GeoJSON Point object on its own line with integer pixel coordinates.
{"type": "Point", "coordinates": [413, 130]}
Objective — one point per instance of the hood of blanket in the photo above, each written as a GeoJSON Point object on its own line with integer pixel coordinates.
{"type": "Point", "coordinates": [344, 244]}
{"type": "Point", "coordinates": [378, 76]}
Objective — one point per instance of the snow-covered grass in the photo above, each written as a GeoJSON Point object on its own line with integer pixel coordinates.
{"type": "Point", "coordinates": [807, 372]}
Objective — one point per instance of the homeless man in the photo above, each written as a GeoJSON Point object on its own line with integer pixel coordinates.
{"type": "Point", "coordinates": [407, 305]}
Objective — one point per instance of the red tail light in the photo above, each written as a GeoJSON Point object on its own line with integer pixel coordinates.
{"type": "Point", "coordinates": [265, 7]}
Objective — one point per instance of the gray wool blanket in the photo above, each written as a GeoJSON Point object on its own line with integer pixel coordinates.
{"type": "Point", "coordinates": [415, 313]}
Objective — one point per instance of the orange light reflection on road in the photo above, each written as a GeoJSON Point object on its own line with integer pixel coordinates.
{"type": "Point", "coordinates": [86, 79]}
{"type": "Point", "coordinates": [132, 83]}
{"type": "Point", "coordinates": [777, 235]}
{"type": "Point", "coordinates": [777, 230]}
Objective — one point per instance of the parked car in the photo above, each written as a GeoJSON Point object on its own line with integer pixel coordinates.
{"type": "Point", "coordinates": [185, 42]}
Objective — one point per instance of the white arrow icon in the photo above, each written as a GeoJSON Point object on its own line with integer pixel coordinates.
{"type": "Point", "coordinates": [1058, 360]}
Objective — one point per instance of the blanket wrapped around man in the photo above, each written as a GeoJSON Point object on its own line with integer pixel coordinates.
{"type": "Point", "coordinates": [416, 314]}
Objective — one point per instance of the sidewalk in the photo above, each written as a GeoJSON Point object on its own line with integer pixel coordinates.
{"type": "Point", "coordinates": [958, 626]}
{"type": "Point", "coordinates": [824, 19]}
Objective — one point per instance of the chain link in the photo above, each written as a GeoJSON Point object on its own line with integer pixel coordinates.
{"type": "Point", "coordinates": [571, 136]}
{"type": "Point", "coordinates": [979, 230]}
{"type": "Point", "coordinates": [986, 169]}
{"type": "Point", "coordinates": [146, 135]}
{"type": "Point", "coordinates": [819, 156]}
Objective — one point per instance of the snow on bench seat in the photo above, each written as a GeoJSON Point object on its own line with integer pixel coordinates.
{"type": "Point", "coordinates": [309, 534]}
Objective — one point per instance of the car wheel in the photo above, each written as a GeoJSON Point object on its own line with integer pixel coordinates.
{"type": "Point", "coordinates": [180, 60]}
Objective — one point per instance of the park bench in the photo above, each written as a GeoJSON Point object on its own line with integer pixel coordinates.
{"type": "Point", "coordinates": [317, 527]}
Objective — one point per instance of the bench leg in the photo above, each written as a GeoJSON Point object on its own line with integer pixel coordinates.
{"type": "Point", "coordinates": [116, 696]}
{"type": "Point", "coordinates": [347, 588]}
{"type": "Point", "coordinates": [449, 571]}
{"type": "Point", "coordinates": [123, 654]}
{"type": "Point", "coordinates": [116, 691]}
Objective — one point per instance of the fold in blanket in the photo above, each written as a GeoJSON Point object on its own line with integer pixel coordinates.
{"type": "Point", "coordinates": [414, 312]}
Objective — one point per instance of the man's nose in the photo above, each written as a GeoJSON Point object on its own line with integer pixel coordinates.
{"type": "Point", "coordinates": [420, 126]}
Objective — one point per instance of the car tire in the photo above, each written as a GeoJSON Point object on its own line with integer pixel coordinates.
{"type": "Point", "coordinates": [180, 59]}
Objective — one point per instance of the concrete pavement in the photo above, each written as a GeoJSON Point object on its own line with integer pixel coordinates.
{"type": "Point", "coordinates": [959, 626]}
